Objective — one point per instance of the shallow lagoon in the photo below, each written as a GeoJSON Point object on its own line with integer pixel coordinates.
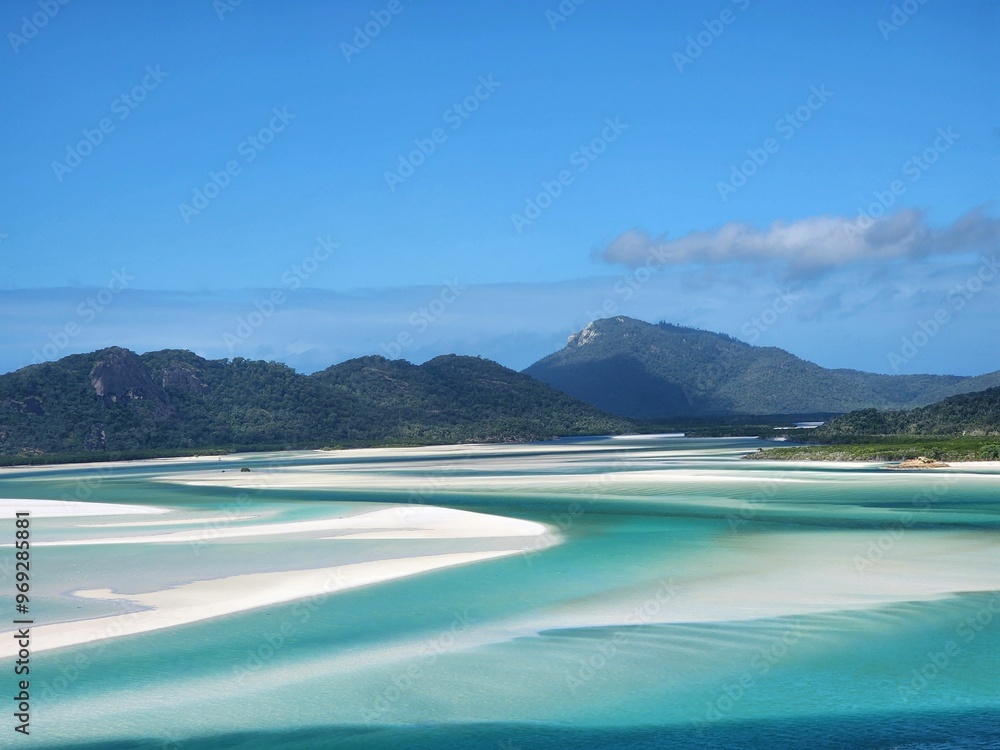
{"type": "Point", "coordinates": [679, 597]}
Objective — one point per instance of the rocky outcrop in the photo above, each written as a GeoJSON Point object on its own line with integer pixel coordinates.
{"type": "Point", "coordinates": [120, 377]}
{"type": "Point", "coordinates": [584, 337]}
{"type": "Point", "coordinates": [183, 377]}
{"type": "Point", "coordinates": [921, 462]}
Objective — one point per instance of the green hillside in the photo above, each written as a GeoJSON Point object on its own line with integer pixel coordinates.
{"type": "Point", "coordinates": [455, 398]}
{"type": "Point", "coordinates": [116, 401]}
{"type": "Point", "coordinates": [973, 414]}
{"type": "Point", "coordinates": [645, 371]}
{"type": "Point", "coordinates": [960, 428]}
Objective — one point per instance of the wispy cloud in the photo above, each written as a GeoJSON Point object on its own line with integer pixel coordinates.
{"type": "Point", "coordinates": [812, 245]}
{"type": "Point", "coordinates": [847, 317]}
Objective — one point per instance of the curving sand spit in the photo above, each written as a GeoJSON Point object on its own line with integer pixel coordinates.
{"type": "Point", "coordinates": [409, 522]}
{"type": "Point", "coordinates": [71, 508]}
{"type": "Point", "coordinates": [202, 600]}
{"type": "Point", "coordinates": [174, 522]}
{"type": "Point", "coordinates": [193, 601]}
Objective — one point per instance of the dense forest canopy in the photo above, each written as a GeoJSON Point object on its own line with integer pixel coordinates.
{"type": "Point", "coordinates": [640, 370]}
{"type": "Point", "coordinates": [115, 400]}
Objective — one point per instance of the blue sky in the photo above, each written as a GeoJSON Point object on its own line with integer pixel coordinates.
{"type": "Point", "coordinates": [314, 181]}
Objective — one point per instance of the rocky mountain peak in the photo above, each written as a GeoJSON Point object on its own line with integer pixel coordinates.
{"type": "Point", "coordinates": [584, 337]}
{"type": "Point", "coordinates": [120, 376]}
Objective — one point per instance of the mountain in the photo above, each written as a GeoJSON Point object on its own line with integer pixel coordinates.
{"type": "Point", "coordinates": [975, 414]}
{"type": "Point", "coordinates": [645, 371]}
{"type": "Point", "coordinates": [114, 400]}
{"type": "Point", "coordinates": [464, 398]}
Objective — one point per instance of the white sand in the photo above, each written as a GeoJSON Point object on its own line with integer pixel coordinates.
{"type": "Point", "coordinates": [493, 478]}
{"type": "Point", "coordinates": [788, 574]}
{"type": "Point", "coordinates": [199, 600]}
{"type": "Point", "coordinates": [988, 465]}
{"type": "Point", "coordinates": [284, 457]}
{"type": "Point", "coordinates": [405, 522]}
{"type": "Point", "coordinates": [202, 600]}
{"type": "Point", "coordinates": [311, 478]}
{"type": "Point", "coordinates": [649, 437]}
{"type": "Point", "coordinates": [71, 508]}
{"type": "Point", "coordinates": [177, 522]}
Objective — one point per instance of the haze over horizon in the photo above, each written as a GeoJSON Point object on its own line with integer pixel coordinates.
{"type": "Point", "coordinates": [313, 183]}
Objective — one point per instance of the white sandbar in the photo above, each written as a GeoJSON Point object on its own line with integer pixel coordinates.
{"type": "Point", "coordinates": [202, 600]}
{"type": "Point", "coordinates": [408, 522]}
{"type": "Point", "coordinates": [176, 522]}
{"type": "Point", "coordinates": [71, 508]}
{"type": "Point", "coordinates": [784, 574]}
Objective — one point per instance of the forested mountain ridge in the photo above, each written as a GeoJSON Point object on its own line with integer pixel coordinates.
{"type": "Point", "coordinates": [654, 371]}
{"type": "Point", "coordinates": [116, 400]}
{"type": "Point", "coordinates": [976, 414]}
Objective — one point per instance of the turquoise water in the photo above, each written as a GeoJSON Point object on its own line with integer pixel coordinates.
{"type": "Point", "coordinates": [692, 600]}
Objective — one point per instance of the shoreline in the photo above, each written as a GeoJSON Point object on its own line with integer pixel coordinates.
{"type": "Point", "coordinates": [41, 508]}
{"type": "Point", "coordinates": [190, 601]}
{"type": "Point", "coordinates": [881, 463]}
{"type": "Point", "coordinates": [513, 448]}
{"type": "Point", "coordinates": [150, 462]}
{"type": "Point", "coordinates": [243, 454]}
{"type": "Point", "coordinates": [207, 599]}
{"type": "Point", "coordinates": [397, 522]}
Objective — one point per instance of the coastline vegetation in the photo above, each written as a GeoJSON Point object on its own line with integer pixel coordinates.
{"type": "Point", "coordinates": [890, 448]}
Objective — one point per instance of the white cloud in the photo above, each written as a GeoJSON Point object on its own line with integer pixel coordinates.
{"type": "Point", "coordinates": [811, 245]}
{"type": "Point", "coordinates": [848, 317]}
